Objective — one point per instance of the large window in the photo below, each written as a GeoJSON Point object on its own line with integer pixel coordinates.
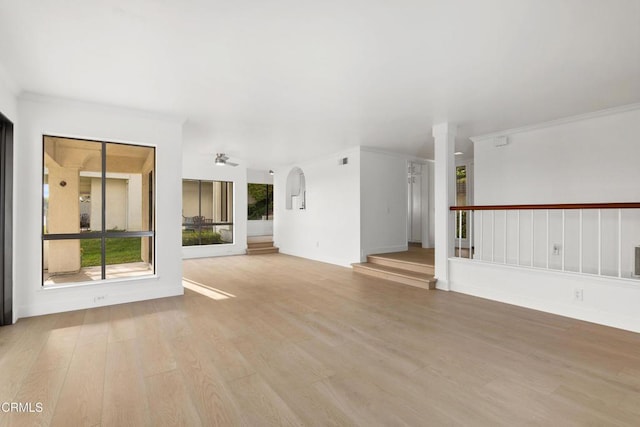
{"type": "Point", "coordinates": [207, 212]}
{"type": "Point", "coordinates": [97, 210]}
{"type": "Point", "coordinates": [260, 201]}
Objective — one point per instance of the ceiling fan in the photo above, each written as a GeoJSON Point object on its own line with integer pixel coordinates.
{"type": "Point", "coordinates": [222, 160]}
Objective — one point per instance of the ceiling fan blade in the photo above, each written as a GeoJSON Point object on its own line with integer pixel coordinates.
{"type": "Point", "coordinates": [231, 164]}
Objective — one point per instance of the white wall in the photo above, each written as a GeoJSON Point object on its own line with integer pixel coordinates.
{"type": "Point", "coordinates": [8, 101]}
{"type": "Point", "coordinates": [255, 176]}
{"type": "Point", "coordinates": [328, 229]}
{"type": "Point", "coordinates": [43, 115]}
{"type": "Point", "coordinates": [383, 202]}
{"type": "Point", "coordinates": [198, 166]}
{"type": "Point", "coordinates": [591, 159]}
{"type": "Point", "coordinates": [259, 227]}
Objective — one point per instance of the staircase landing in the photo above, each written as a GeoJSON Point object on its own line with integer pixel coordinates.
{"type": "Point", "coordinates": [413, 267]}
{"type": "Point", "coordinates": [259, 245]}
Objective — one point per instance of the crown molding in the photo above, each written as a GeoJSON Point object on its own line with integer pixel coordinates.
{"type": "Point", "coordinates": [557, 122]}
{"type": "Point", "coordinates": [48, 99]}
{"type": "Point", "coordinates": [394, 154]}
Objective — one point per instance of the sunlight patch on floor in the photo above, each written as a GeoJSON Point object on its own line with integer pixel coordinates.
{"type": "Point", "coordinates": [207, 291]}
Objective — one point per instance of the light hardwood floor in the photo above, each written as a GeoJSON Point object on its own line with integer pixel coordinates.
{"type": "Point", "coordinates": [286, 341]}
{"type": "Point", "coordinates": [414, 254]}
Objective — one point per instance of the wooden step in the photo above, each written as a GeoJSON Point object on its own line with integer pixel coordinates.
{"type": "Point", "coordinates": [401, 264]}
{"type": "Point", "coordinates": [255, 245]}
{"type": "Point", "coordinates": [260, 251]}
{"type": "Point", "coordinates": [398, 275]}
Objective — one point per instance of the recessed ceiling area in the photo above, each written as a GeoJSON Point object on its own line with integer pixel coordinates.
{"type": "Point", "coordinates": [273, 82]}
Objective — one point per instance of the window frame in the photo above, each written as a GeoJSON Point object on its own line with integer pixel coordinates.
{"type": "Point", "coordinates": [103, 234]}
{"type": "Point", "coordinates": [212, 224]}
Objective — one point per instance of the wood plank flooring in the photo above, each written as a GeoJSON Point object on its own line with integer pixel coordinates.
{"type": "Point", "coordinates": [415, 254]}
{"type": "Point", "coordinates": [280, 340]}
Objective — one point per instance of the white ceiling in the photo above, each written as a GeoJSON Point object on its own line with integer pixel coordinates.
{"type": "Point", "coordinates": [278, 81]}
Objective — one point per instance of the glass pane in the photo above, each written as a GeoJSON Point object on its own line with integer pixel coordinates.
{"type": "Point", "coordinates": [190, 235]}
{"type": "Point", "coordinates": [207, 212]}
{"type": "Point", "coordinates": [225, 232]}
{"type": "Point", "coordinates": [190, 212]}
{"type": "Point", "coordinates": [206, 201]}
{"type": "Point", "coordinates": [129, 187]}
{"type": "Point", "coordinates": [222, 201]}
{"type": "Point", "coordinates": [270, 201]}
{"type": "Point", "coordinates": [190, 200]}
{"type": "Point", "coordinates": [129, 257]}
{"type": "Point", "coordinates": [72, 170]}
{"type": "Point", "coordinates": [461, 220]}
{"type": "Point", "coordinates": [71, 261]}
{"type": "Point", "coordinates": [216, 234]}
{"type": "Point", "coordinates": [258, 200]}
{"type": "Point", "coordinates": [461, 186]}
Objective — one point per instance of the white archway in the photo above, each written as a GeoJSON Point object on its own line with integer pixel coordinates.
{"type": "Point", "coordinates": [296, 189]}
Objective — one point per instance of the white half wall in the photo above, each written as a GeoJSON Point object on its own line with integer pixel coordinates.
{"type": "Point", "coordinates": [50, 116]}
{"type": "Point", "coordinates": [588, 159]}
{"type": "Point", "coordinates": [605, 301]}
{"type": "Point", "coordinates": [383, 202]}
{"type": "Point", "coordinates": [200, 166]}
{"type": "Point", "coordinates": [328, 229]}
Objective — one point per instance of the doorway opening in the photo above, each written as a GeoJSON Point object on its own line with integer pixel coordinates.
{"type": "Point", "coordinates": [6, 221]}
{"type": "Point", "coordinates": [416, 204]}
{"type": "Point", "coordinates": [260, 215]}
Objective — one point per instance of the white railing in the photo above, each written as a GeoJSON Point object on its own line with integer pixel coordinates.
{"type": "Point", "coordinates": [597, 238]}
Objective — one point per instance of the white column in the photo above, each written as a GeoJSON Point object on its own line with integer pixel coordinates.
{"type": "Point", "coordinates": [444, 135]}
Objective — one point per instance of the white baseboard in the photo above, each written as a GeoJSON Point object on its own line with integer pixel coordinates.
{"type": "Point", "coordinates": [85, 303]}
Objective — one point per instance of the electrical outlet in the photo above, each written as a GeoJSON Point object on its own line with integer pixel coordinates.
{"type": "Point", "coordinates": [557, 247]}
{"type": "Point", "coordinates": [99, 298]}
{"type": "Point", "coordinates": [578, 294]}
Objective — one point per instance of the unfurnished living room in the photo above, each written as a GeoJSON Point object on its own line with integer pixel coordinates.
{"type": "Point", "coordinates": [339, 213]}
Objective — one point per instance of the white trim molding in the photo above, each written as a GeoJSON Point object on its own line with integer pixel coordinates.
{"type": "Point", "coordinates": [557, 122]}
